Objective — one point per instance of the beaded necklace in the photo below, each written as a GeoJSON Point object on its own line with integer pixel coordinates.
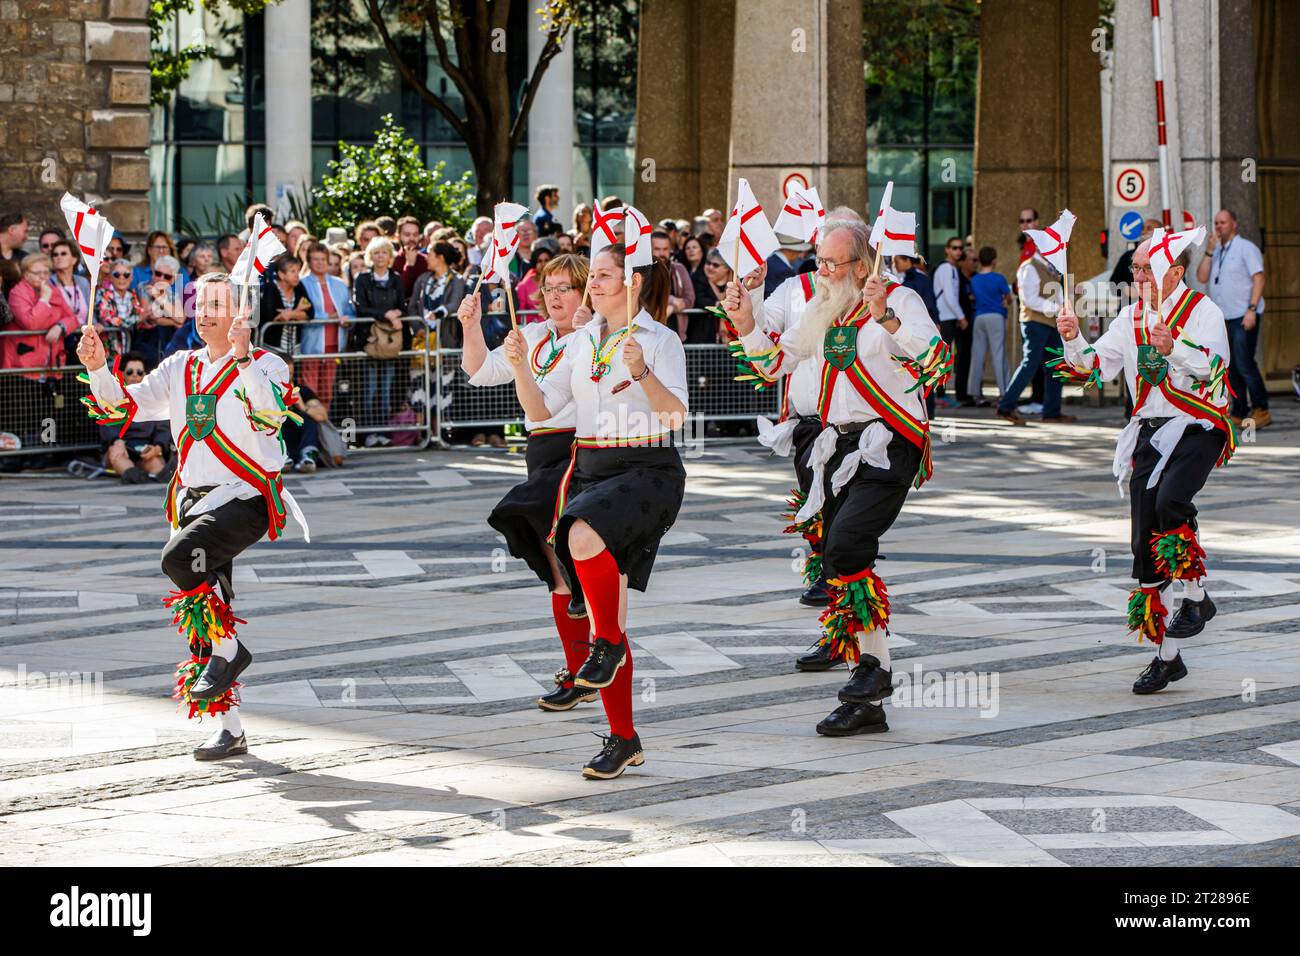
{"type": "Point", "coordinates": [542, 369]}
{"type": "Point", "coordinates": [601, 358]}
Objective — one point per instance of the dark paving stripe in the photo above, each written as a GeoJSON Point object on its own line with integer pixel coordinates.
{"type": "Point", "coordinates": [1238, 746]}
{"type": "Point", "coordinates": [1130, 718]}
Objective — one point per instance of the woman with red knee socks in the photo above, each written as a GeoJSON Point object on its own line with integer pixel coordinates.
{"type": "Point", "coordinates": [626, 376]}
{"type": "Point", "coordinates": [526, 513]}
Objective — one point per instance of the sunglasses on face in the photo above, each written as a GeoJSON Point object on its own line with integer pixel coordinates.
{"type": "Point", "coordinates": [164, 276]}
{"type": "Point", "coordinates": [1026, 222]}
{"type": "Point", "coordinates": [121, 275]}
{"type": "Point", "coordinates": [133, 373]}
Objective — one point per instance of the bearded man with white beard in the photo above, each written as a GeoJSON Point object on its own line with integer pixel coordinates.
{"type": "Point", "coordinates": [876, 354]}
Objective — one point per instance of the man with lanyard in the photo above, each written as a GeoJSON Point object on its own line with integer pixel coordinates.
{"type": "Point", "coordinates": [226, 403]}
{"type": "Point", "coordinates": [952, 317]}
{"type": "Point", "coordinates": [876, 355]}
{"type": "Point", "coordinates": [1234, 275]}
{"type": "Point", "coordinates": [1174, 358]}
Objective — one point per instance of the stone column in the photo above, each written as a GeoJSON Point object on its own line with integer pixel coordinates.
{"type": "Point", "coordinates": [683, 105]}
{"type": "Point", "coordinates": [550, 124]}
{"type": "Point", "coordinates": [1038, 125]}
{"type": "Point", "coordinates": [288, 102]}
{"type": "Point", "coordinates": [813, 47]}
{"type": "Point", "coordinates": [74, 107]}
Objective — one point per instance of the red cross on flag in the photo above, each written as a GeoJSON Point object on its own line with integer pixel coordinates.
{"type": "Point", "coordinates": [505, 241]}
{"type": "Point", "coordinates": [749, 231]}
{"type": "Point", "coordinates": [1167, 246]}
{"type": "Point", "coordinates": [1054, 240]}
{"type": "Point", "coordinates": [636, 241]}
{"type": "Point", "coordinates": [90, 231]}
{"type": "Point", "coordinates": [261, 248]}
{"type": "Point", "coordinates": [604, 228]}
{"type": "Point", "coordinates": [802, 215]}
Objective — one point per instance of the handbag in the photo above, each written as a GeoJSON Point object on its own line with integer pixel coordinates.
{"type": "Point", "coordinates": [385, 341]}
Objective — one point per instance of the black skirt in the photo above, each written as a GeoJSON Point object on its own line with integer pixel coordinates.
{"type": "Point", "coordinates": [631, 497]}
{"type": "Point", "coordinates": [525, 515]}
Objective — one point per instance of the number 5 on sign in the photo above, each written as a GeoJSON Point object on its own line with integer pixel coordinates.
{"type": "Point", "coordinates": [1129, 184]}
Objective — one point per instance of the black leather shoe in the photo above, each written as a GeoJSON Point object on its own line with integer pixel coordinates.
{"type": "Point", "coordinates": [565, 698]}
{"type": "Point", "coordinates": [222, 744]}
{"type": "Point", "coordinates": [220, 674]}
{"type": "Point", "coordinates": [817, 595]}
{"type": "Point", "coordinates": [1190, 618]}
{"type": "Point", "coordinates": [819, 658]}
{"type": "Point", "coordinates": [870, 683]}
{"type": "Point", "coordinates": [601, 665]}
{"type": "Point", "coordinates": [1159, 675]}
{"type": "Point", "coordinates": [847, 720]}
{"type": "Point", "coordinates": [577, 609]}
{"type": "Point", "coordinates": [616, 756]}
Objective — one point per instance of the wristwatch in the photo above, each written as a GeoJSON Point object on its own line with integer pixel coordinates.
{"type": "Point", "coordinates": [889, 316]}
{"type": "Point", "coordinates": [245, 360]}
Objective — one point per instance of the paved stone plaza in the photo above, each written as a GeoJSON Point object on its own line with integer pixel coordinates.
{"type": "Point", "coordinates": [390, 706]}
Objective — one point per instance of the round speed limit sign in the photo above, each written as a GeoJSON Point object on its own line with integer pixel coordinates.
{"type": "Point", "coordinates": [1130, 185]}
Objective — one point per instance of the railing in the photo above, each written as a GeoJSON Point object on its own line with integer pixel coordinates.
{"type": "Point", "coordinates": [41, 405]}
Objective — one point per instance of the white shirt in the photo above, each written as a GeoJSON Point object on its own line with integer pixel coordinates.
{"type": "Point", "coordinates": [879, 351]}
{"type": "Point", "coordinates": [603, 409]}
{"type": "Point", "coordinates": [1116, 351]}
{"type": "Point", "coordinates": [1031, 294]}
{"type": "Point", "coordinates": [543, 339]}
{"type": "Point", "coordinates": [780, 312]}
{"type": "Point", "coordinates": [947, 292]}
{"type": "Point", "coordinates": [161, 397]}
{"type": "Point", "coordinates": [1235, 264]}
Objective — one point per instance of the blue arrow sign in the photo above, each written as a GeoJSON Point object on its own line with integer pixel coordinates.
{"type": "Point", "coordinates": [1130, 225]}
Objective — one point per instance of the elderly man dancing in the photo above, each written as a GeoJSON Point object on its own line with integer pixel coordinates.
{"type": "Point", "coordinates": [876, 354]}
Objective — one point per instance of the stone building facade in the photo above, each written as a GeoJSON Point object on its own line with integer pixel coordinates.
{"type": "Point", "coordinates": [74, 109]}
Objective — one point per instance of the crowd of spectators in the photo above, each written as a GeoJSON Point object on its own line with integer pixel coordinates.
{"type": "Point", "coordinates": [393, 284]}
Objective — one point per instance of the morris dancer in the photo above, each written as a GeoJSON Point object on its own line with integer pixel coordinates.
{"type": "Point", "coordinates": [626, 376]}
{"type": "Point", "coordinates": [226, 403]}
{"type": "Point", "coordinates": [527, 512]}
{"type": "Point", "coordinates": [1175, 361]}
{"type": "Point", "coordinates": [876, 354]}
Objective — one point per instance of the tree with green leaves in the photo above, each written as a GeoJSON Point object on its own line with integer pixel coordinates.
{"type": "Point", "coordinates": [388, 178]}
{"type": "Point", "coordinates": [170, 67]}
{"type": "Point", "coordinates": [470, 39]}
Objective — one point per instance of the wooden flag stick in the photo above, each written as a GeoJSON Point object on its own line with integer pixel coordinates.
{"type": "Point", "coordinates": [510, 301]}
{"type": "Point", "coordinates": [630, 314]}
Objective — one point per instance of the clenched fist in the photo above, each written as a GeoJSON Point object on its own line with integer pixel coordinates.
{"type": "Point", "coordinates": [90, 349]}
{"type": "Point", "coordinates": [1067, 323]}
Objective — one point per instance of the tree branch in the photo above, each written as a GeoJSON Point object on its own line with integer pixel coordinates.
{"type": "Point", "coordinates": [475, 114]}
{"type": "Point", "coordinates": [426, 94]}
{"type": "Point", "coordinates": [554, 42]}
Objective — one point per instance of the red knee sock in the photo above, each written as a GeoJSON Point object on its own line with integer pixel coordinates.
{"type": "Point", "coordinates": [571, 631]}
{"type": "Point", "coordinates": [617, 698]}
{"type": "Point", "coordinates": [600, 586]}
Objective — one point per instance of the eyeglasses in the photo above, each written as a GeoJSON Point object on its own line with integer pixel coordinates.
{"type": "Point", "coordinates": [60, 253]}
{"type": "Point", "coordinates": [1026, 222]}
{"type": "Point", "coordinates": [164, 276]}
{"type": "Point", "coordinates": [557, 289]}
{"type": "Point", "coordinates": [133, 373]}
{"type": "Point", "coordinates": [121, 275]}
{"type": "Point", "coordinates": [161, 245]}
{"type": "Point", "coordinates": [830, 265]}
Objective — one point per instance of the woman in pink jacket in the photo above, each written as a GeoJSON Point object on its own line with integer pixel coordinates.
{"type": "Point", "coordinates": [37, 307]}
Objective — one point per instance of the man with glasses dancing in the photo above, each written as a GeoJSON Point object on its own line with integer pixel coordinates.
{"type": "Point", "coordinates": [1174, 357]}
{"type": "Point", "coordinates": [876, 356]}
{"type": "Point", "coordinates": [226, 403]}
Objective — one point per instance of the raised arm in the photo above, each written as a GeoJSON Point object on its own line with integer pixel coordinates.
{"type": "Point", "coordinates": [537, 400]}
{"type": "Point", "coordinates": [1087, 365]}
{"type": "Point", "coordinates": [112, 403]}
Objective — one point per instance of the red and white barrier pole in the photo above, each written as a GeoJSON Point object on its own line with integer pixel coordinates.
{"type": "Point", "coordinates": [1162, 134]}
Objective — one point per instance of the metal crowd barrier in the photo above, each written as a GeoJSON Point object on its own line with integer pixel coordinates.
{"type": "Point", "coordinates": [41, 406]}
{"type": "Point", "coordinates": [367, 396]}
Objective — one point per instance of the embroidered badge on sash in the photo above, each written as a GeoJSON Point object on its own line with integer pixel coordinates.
{"type": "Point", "coordinates": [840, 346]}
{"type": "Point", "coordinates": [200, 415]}
{"type": "Point", "coordinates": [1151, 365]}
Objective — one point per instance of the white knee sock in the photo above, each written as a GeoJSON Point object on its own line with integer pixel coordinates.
{"type": "Point", "coordinates": [230, 721]}
{"type": "Point", "coordinates": [874, 643]}
{"type": "Point", "coordinates": [1193, 590]}
{"type": "Point", "coordinates": [1169, 648]}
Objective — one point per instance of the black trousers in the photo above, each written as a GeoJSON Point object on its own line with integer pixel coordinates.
{"type": "Point", "coordinates": [865, 508]}
{"type": "Point", "coordinates": [1169, 504]}
{"type": "Point", "coordinates": [207, 544]}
